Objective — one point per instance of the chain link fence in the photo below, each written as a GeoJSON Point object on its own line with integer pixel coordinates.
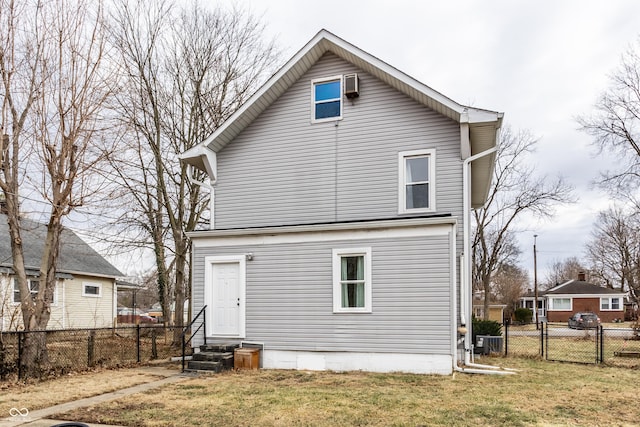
{"type": "Point", "coordinates": [71, 350]}
{"type": "Point", "coordinates": [619, 346]}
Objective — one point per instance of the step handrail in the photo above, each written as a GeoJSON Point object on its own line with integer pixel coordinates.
{"type": "Point", "coordinates": [202, 326]}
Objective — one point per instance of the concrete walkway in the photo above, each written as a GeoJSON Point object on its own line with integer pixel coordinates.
{"type": "Point", "coordinates": [41, 417]}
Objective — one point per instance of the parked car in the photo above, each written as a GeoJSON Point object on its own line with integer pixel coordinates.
{"type": "Point", "coordinates": [584, 321]}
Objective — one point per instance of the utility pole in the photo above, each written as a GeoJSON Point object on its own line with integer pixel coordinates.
{"type": "Point", "coordinates": [535, 280]}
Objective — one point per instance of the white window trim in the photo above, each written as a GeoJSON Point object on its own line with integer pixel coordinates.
{"type": "Point", "coordinates": [54, 303]}
{"type": "Point", "coordinates": [337, 288]}
{"type": "Point", "coordinates": [620, 304]}
{"type": "Point", "coordinates": [84, 287]}
{"type": "Point", "coordinates": [402, 195]}
{"type": "Point", "coordinates": [313, 98]}
{"type": "Point", "coordinates": [552, 307]}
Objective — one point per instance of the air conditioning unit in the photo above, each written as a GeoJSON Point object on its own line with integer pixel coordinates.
{"type": "Point", "coordinates": [351, 89]}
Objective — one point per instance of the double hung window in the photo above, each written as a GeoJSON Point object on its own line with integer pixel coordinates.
{"type": "Point", "coordinates": [563, 304]}
{"type": "Point", "coordinates": [352, 280]}
{"type": "Point", "coordinates": [417, 181]}
{"type": "Point", "coordinates": [610, 303]}
{"type": "Point", "coordinates": [327, 99]}
{"type": "Point", "coordinates": [34, 288]}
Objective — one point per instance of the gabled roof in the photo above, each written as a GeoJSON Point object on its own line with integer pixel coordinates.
{"type": "Point", "coordinates": [483, 124]}
{"type": "Point", "coordinates": [577, 287]}
{"type": "Point", "coordinates": [75, 255]}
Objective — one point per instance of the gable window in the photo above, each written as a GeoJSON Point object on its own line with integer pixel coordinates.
{"type": "Point", "coordinates": [352, 280]}
{"type": "Point", "coordinates": [326, 99]}
{"type": "Point", "coordinates": [91, 290]}
{"type": "Point", "coordinates": [416, 181]}
{"type": "Point", "coordinates": [610, 303]}
{"type": "Point", "coordinates": [563, 304]}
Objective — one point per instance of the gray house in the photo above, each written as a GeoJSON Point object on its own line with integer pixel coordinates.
{"type": "Point", "coordinates": [340, 200]}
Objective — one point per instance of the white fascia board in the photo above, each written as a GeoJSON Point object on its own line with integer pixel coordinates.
{"type": "Point", "coordinates": [477, 115]}
{"type": "Point", "coordinates": [306, 57]}
{"type": "Point", "coordinates": [579, 296]}
{"type": "Point", "coordinates": [393, 72]}
{"type": "Point", "coordinates": [300, 234]}
{"type": "Point", "coordinates": [266, 87]}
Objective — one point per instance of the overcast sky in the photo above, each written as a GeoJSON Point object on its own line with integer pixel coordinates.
{"type": "Point", "coordinates": [542, 63]}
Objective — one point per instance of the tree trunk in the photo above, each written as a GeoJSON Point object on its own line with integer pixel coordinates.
{"type": "Point", "coordinates": [181, 262]}
{"type": "Point", "coordinates": [486, 285]}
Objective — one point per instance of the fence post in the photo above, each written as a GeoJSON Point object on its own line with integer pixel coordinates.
{"type": "Point", "coordinates": [154, 348]}
{"type": "Point", "coordinates": [601, 344]}
{"type": "Point", "coordinates": [138, 343]}
{"type": "Point", "coordinates": [20, 337]}
{"type": "Point", "coordinates": [506, 337]}
{"type": "Point", "coordinates": [542, 339]}
{"type": "Point", "coordinates": [90, 348]}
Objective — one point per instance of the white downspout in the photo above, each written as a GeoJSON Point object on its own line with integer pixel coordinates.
{"type": "Point", "coordinates": [465, 275]}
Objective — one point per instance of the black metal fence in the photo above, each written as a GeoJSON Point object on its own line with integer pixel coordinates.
{"type": "Point", "coordinates": [555, 341]}
{"type": "Point", "coordinates": [81, 349]}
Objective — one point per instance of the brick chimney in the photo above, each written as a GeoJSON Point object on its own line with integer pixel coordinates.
{"type": "Point", "coordinates": [582, 276]}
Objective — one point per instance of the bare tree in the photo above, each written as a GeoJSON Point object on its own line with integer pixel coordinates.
{"type": "Point", "coordinates": [509, 284]}
{"type": "Point", "coordinates": [615, 127]}
{"type": "Point", "coordinates": [187, 71]}
{"type": "Point", "coordinates": [515, 190]}
{"type": "Point", "coordinates": [561, 271]}
{"type": "Point", "coordinates": [53, 96]}
{"type": "Point", "coordinates": [614, 250]}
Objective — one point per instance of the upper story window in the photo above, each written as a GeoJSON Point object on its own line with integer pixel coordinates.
{"type": "Point", "coordinates": [352, 280]}
{"type": "Point", "coordinates": [416, 192]}
{"type": "Point", "coordinates": [326, 99]}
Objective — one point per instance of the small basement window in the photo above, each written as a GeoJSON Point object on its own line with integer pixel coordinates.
{"type": "Point", "coordinates": [326, 99]}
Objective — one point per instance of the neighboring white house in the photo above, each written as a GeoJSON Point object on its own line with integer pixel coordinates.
{"type": "Point", "coordinates": [85, 294]}
{"type": "Point", "coordinates": [340, 198]}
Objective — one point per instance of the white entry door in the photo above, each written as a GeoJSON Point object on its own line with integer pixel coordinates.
{"type": "Point", "coordinates": [226, 299]}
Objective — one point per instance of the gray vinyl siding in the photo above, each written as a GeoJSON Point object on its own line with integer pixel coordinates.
{"type": "Point", "coordinates": [283, 169]}
{"type": "Point", "coordinates": [289, 296]}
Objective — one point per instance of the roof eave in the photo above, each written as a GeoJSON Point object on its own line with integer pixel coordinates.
{"type": "Point", "coordinates": [303, 60]}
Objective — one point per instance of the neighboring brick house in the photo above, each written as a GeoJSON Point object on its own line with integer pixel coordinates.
{"type": "Point", "coordinates": [580, 296]}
